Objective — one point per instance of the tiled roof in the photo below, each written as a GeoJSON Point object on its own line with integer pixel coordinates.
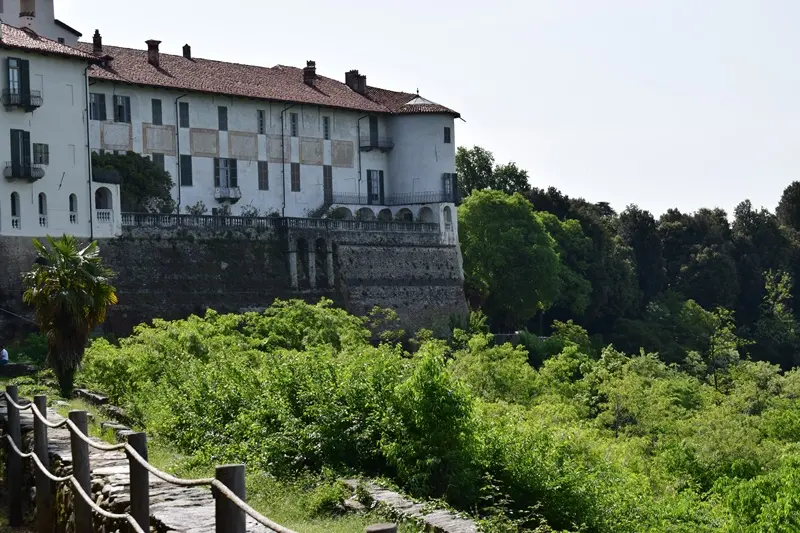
{"type": "Point", "coordinates": [28, 40]}
{"type": "Point", "coordinates": [401, 103]}
{"type": "Point", "coordinates": [281, 83]}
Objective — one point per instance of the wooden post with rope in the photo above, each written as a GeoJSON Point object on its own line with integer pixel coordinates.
{"type": "Point", "coordinates": [45, 519]}
{"type": "Point", "coordinates": [81, 472]}
{"type": "Point", "coordinates": [13, 461]}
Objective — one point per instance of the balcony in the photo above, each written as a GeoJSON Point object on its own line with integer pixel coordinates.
{"type": "Point", "coordinates": [373, 142]}
{"type": "Point", "coordinates": [28, 101]}
{"type": "Point", "coordinates": [412, 198]}
{"type": "Point", "coordinates": [14, 170]}
{"type": "Point", "coordinates": [228, 194]}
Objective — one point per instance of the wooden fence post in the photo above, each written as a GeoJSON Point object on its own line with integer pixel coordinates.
{"type": "Point", "coordinates": [140, 482]}
{"type": "Point", "coordinates": [44, 488]}
{"type": "Point", "coordinates": [14, 461]}
{"type": "Point", "coordinates": [229, 517]}
{"type": "Point", "coordinates": [81, 472]}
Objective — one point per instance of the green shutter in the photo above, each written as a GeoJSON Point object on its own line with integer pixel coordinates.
{"type": "Point", "coordinates": [8, 77]}
{"type": "Point", "coordinates": [381, 185]}
{"type": "Point", "coordinates": [127, 109]}
{"type": "Point", "coordinates": [216, 172]}
{"type": "Point", "coordinates": [24, 80]}
{"type": "Point", "coordinates": [186, 170]}
{"type": "Point", "coordinates": [369, 186]}
{"type": "Point", "coordinates": [101, 105]}
{"type": "Point", "coordinates": [16, 163]}
{"type": "Point", "coordinates": [233, 170]}
{"type": "Point", "coordinates": [26, 148]}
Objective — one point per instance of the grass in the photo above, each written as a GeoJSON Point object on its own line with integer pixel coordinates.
{"type": "Point", "coordinates": [306, 505]}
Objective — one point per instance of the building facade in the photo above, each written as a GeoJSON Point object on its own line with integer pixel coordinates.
{"type": "Point", "coordinates": [39, 16]}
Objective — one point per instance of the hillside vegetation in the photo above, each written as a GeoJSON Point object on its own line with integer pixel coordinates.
{"type": "Point", "coordinates": [592, 440]}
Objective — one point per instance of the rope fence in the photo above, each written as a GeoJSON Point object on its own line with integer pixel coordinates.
{"type": "Point", "coordinates": [227, 487]}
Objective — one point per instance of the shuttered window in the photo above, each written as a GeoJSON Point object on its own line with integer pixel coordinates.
{"type": "Point", "coordinates": [41, 154]}
{"type": "Point", "coordinates": [326, 128]}
{"type": "Point", "coordinates": [294, 124]}
{"type": "Point", "coordinates": [97, 106]}
{"type": "Point", "coordinates": [157, 117]}
{"type": "Point", "coordinates": [186, 170]}
{"type": "Point", "coordinates": [222, 111]}
{"type": "Point", "coordinates": [261, 117]}
{"type": "Point", "coordinates": [183, 114]}
{"type": "Point", "coordinates": [263, 176]}
{"type": "Point", "coordinates": [295, 177]}
{"type": "Point", "coordinates": [225, 172]}
{"type": "Point", "coordinates": [447, 136]}
{"type": "Point", "coordinates": [158, 161]}
{"type": "Point", "coordinates": [122, 109]}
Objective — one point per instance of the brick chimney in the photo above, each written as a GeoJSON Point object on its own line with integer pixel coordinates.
{"type": "Point", "coordinates": [152, 52]}
{"type": "Point", "coordinates": [356, 81]}
{"type": "Point", "coordinates": [97, 43]}
{"type": "Point", "coordinates": [310, 73]}
{"type": "Point", "coordinates": [187, 51]}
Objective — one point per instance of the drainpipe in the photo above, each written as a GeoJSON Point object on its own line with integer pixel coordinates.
{"type": "Point", "coordinates": [178, 146]}
{"type": "Point", "coordinates": [358, 134]}
{"type": "Point", "coordinates": [283, 156]}
{"type": "Point", "coordinates": [89, 151]}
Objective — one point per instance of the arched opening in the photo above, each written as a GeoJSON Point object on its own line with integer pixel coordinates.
{"type": "Point", "coordinates": [321, 263]}
{"type": "Point", "coordinates": [365, 213]}
{"type": "Point", "coordinates": [405, 215]}
{"type": "Point", "coordinates": [426, 215]}
{"type": "Point", "coordinates": [103, 204]}
{"type": "Point", "coordinates": [341, 213]}
{"type": "Point", "coordinates": [42, 210]}
{"type": "Point", "coordinates": [447, 214]}
{"type": "Point", "coordinates": [16, 214]}
{"type": "Point", "coordinates": [73, 209]}
{"type": "Point", "coordinates": [303, 281]}
{"type": "Point", "coordinates": [385, 215]}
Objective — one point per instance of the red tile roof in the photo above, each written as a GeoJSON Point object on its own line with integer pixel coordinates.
{"type": "Point", "coordinates": [28, 40]}
{"type": "Point", "coordinates": [281, 83]}
{"type": "Point", "coordinates": [401, 103]}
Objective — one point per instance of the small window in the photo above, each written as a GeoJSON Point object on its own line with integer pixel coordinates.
{"type": "Point", "coordinates": [61, 40]}
{"type": "Point", "coordinates": [157, 116]}
{"type": "Point", "coordinates": [326, 128]}
{"type": "Point", "coordinates": [222, 111]}
{"type": "Point", "coordinates": [447, 138]}
{"type": "Point", "coordinates": [262, 122]}
{"type": "Point", "coordinates": [183, 112]}
{"type": "Point", "coordinates": [294, 124]}
{"type": "Point", "coordinates": [295, 177]}
{"type": "Point", "coordinates": [122, 109]}
{"type": "Point", "coordinates": [16, 222]}
{"type": "Point", "coordinates": [97, 106]}
{"type": "Point", "coordinates": [73, 209]}
{"type": "Point", "coordinates": [225, 172]}
{"type": "Point", "coordinates": [263, 176]}
{"type": "Point", "coordinates": [186, 171]}
{"type": "Point", "coordinates": [158, 161]}
{"type": "Point", "coordinates": [41, 154]}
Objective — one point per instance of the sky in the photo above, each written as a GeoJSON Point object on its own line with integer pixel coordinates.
{"type": "Point", "coordinates": [659, 103]}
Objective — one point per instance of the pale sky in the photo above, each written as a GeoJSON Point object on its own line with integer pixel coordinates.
{"type": "Point", "coordinates": [662, 103]}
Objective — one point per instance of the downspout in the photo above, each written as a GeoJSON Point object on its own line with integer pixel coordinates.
{"type": "Point", "coordinates": [358, 140]}
{"type": "Point", "coordinates": [283, 156]}
{"type": "Point", "coordinates": [178, 147]}
{"type": "Point", "coordinates": [89, 151]}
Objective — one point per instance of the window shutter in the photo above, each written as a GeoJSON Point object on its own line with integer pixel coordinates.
{"type": "Point", "coordinates": [157, 118]}
{"type": "Point", "coordinates": [8, 77]}
{"type": "Point", "coordinates": [127, 100]}
{"type": "Point", "coordinates": [381, 185]}
{"type": "Point", "coordinates": [16, 150]}
{"type": "Point", "coordinates": [456, 191]}
{"type": "Point", "coordinates": [216, 172]}
{"type": "Point", "coordinates": [26, 148]}
{"type": "Point", "coordinates": [369, 186]}
{"type": "Point", "coordinates": [101, 105]}
{"type": "Point", "coordinates": [186, 170]}
{"type": "Point", "coordinates": [233, 165]}
{"type": "Point", "coordinates": [24, 79]}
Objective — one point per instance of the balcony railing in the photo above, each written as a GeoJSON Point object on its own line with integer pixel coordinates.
{"type": "Point", "coordinates": [43, 221]}
{"type": "Point", "coordinates": [413, 198]}
{"type": "Point", "coordinates": [14, 170]}
{"type": "Point", "coordinates": [224, 194]}
{"type": "Point", "coordinates": [369, 142]}
{"type": "Point", "coordinates": [104, 216]}
{"type": "Point", "coordinates": [16, 222]}
{"type": "Point", "coordinates": [73, 218]}
{"type": "Point", "coordinates": [15, 98]}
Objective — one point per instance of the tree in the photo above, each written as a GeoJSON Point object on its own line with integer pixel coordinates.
{"type": "Point", "coordinates": [510, 261]}
{"type": "Point", "coordinates": [788, 210]}
{"type": "Point", "coordinates": [477, 171]}
{"type": "Point", "coordinates": [510, 179]}
{"type": "Point", "coordinates": [70, 290]}
{"type": "Point", "coordinates": [637, 228]}
{"type": "Point", "coordinates": [144, 188]}
{"type": "Point", "coordinates": [574, 249]}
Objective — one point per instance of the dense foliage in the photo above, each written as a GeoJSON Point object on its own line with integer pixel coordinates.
{"type": "Point", "coordinates": [592, 440]}
{"type": "Point", "coordinates": [145, 186]}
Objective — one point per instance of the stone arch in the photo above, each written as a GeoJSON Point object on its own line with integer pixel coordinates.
{"type": "Point", "coordinates": [341, 213]}
{"type": "Point", "coordinates": [426, 215]}
{"type": "Point", "coordinates": [301, 248]}
{"type": "Point", "coordinates": [405, 215]}
{"type": "Point", "coordinates": [365, 213]}
{"type": "Point", "coordinates": [385, 215]}
{"type": "Point", "coordinates": [42, 210]}
{"type": "Point", "coordinates": [103, 199]}
{"type": "Point", "coordinates": [321, 263]}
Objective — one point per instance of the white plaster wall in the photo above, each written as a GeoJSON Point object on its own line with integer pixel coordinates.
{"type": "Point", "coordinates": [60, 124]}
{"type": "Point", "coordinates": [43, 23]}
{"type": "Point", "coordinates": [420, 155]}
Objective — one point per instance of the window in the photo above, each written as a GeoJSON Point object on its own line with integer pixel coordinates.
{"type": "Point", "coordinates": [450, 187]}
{"type": "Point", "coordinates": [225, 172]}
{"type": "Point", "coordinates": [14, 75]}
{"type": "Point", "coordinates": [262, 121]}
{"type": "Point", "coordinates": [61, 40]}
{"type": "Point", "coordinates": [222, 111]}
{"type": "Point", "coordinates": [157, 116]}
{"type": "Point", "coordinates": [15, 211]}
{"type": "Point", "coordinates": [41, 154]}
{"type": "Point", "coordinates": [293, 124]}
{"type": "Point", "coordinates": [327, 183]}
{"type": "Point", "coordinates": [119, 152]}
{"type": "Point", "coordinates": [295, 177]}
{"type": "Point", "coordinates": [263, 176]}
{"type": "Point", "coordinates": [447, 137]}
{"type": "Point", "coordinates": [42, 210]}
{"type": "Point", "coordinates": [122, 109]}
{"type": "Point", "coordinates": [73, 209]}
{"type": "Point", "coordinates": [20, 153]}
{"type": "Point", "coordinates": [158, 160]}
{"type": "Point", "coordinates": [186, 171]}
{"type": "Point", "coordinates": [326, 128]}
{"type": "Point", "coordinates": [375, 187]}
{"type": "Point", "coordinates": [97, 106]}
{"type": "Point", "coordinates": [183, 114]}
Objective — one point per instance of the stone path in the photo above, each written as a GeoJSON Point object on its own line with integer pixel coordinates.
{"type": "Point", "coordinates": [172, 508]}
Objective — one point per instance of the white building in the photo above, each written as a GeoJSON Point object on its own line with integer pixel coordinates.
{"type": "Point", "coordinates": [38, 15]}
{"type": "Point", "coordinates": [46, 186]}
{"type": "Point", "coordinates": [280, 140]}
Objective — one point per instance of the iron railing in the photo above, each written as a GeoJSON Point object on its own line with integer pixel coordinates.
{"type": "Point", "coordinates": [29, 100]}
{"type": "Point", "coordinates": [227, 193]}
{"type": "Point", "coordinates": [30, 171]}
{"type": "Point", "coordinates": [369, 142]}
{"type": "Point", "coordinates": [411, 198]}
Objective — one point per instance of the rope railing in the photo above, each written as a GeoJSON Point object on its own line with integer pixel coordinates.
{"type": "Point", "coordinates": [229, 481]}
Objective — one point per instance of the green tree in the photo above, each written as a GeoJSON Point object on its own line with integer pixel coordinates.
{"type": "Point", "coordinates": [144, 188]}
{"type": "Point", "coordinates": [574, 249]}
{"type": "Point", "coordinates": [510, 261]}
{"type": "Point", "coordinates": [788, 210]}
{"type": "Point", "coordinates": [637, 228]}
{"type": "Point", "coordinates": [477, 171]}
{"type": "Point", "coordinates": [777, 329]}
{"type": "Point", "coordinates": [70, 290]}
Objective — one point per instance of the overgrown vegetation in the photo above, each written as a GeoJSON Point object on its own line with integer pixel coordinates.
{"type": "Point", "coordinates": [145, 187]}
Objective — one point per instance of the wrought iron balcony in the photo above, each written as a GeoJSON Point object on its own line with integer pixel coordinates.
{"type": "Point", "coordinates": [15, 170]}
{"type": "Point", "coordinates": [227, 194]}
{"type": "Point", "coordinates": [369, 143]}
{"type": "Point", "coordinates": [29, 100]}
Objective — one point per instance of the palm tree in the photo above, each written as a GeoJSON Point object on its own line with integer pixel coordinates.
{"type": "Point", "coordinates": [69, 289]}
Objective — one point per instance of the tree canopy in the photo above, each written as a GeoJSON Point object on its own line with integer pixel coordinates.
{"type": "Point", "coordinates": [477, 171]}
{"type": "Point", "coordinates": [145, 187]}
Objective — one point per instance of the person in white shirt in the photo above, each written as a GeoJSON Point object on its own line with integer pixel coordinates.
{"type": "Point", "coordinates": [3, 355]}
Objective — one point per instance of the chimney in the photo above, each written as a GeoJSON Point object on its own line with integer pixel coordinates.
{"type": "Point", "coordinates": [187, 51]}
{"type": "Point", "coordinates": [356, 81]}
{"type": "Point", "coordinates": [97, 41]}
{"type": "Point", "coordinates": [152, 52]}
{"type": "Point", "coordinates": [310, 73]}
